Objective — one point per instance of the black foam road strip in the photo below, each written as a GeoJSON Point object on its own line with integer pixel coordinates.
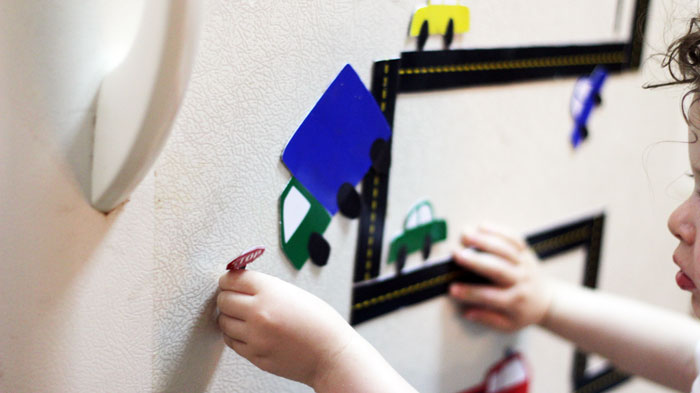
{"type": "Point", "coordinates": [382, 295]}
{"type": "Point", "coordinates": [564, 237]}
{"type": "Point", "coordinates": [434, 70]}
{"type": "Point", "coordinates": [379, 296]}
{"type": "Point", "coordinates": [603, 381]}
{"type": "Point", "coordinates": [375, 185]}
{"type": "Point", "coordinates": [610, 377]}
{"type": "Point", "coordinates": [638, 29]}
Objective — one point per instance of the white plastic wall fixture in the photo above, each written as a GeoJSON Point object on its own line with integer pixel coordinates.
{"type": "Point", "coordinates": [138, 101]}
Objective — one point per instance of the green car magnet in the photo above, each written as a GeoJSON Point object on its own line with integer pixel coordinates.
{"type": "Point", "coordinates": [420, 232]}
{"type": "Point", "coordinates": [304, 220]}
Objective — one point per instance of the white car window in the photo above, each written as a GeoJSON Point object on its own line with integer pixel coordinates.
{"type": "Point", "coordinates": [512, 374]}
{"type": "Point", "coordinates": [412, 220]}
{"type": "Point", "coordinates": [424, 214]}
{"type": "Point", "coordinates": [581, 90]}
{"type": "Point", "coordinates": [294, 210]}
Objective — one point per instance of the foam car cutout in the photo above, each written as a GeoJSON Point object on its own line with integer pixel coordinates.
{"type": "Point", "coordinates": [302, 216]}
{"type": "Point", "coordinates": [585, 97]}
{"type": "Point", "coordinates": [509, 375]}
{"type": "Point", "coordinates": [343, 136]}
{"type": "Point", "coordinates": [420, 231]}
{"type": "Point", "coordinates": [439, 19]}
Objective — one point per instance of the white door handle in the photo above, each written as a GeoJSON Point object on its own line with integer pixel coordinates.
{"type": "Point", "coordinates": [138, 101]}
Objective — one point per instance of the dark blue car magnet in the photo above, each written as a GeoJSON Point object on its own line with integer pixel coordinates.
{"type": "Point", "coordinates": [332, 147]}
{"type": "Point", "coordinates": [585, 97]}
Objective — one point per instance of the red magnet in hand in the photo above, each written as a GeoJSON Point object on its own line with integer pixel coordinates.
{"type": "Point", "coordinates": [247, 257]}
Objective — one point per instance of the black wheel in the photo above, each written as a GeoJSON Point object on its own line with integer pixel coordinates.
{"type": "Point", "coordinates": [349, 202]}
{"type": "Point", "coordinates": [319, 249]}
{"type": "Point", "coordinates": [584, 133]}
{"type": "Point", "coordinates": [422, 35]}
{"type": "Point", "coordinates": [597, 99]}
{"type": "Point", "coordinates": [449, 34]}
{"type": "Point", "coordinates": [401, 259]}
{"type": "Point", "coordinates": [427, 245]}
{"type": "Point", "coordinates": [380, 154]}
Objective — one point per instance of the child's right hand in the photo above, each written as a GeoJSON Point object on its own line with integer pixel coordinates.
{"type": "Point", "coordinates": [280, 328]}
{"type": "Point", "coordinates": [520, 295]}
{"type": "Point", "coordinates": [289, 332]}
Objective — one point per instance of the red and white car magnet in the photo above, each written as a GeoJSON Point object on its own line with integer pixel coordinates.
{"type": "Point", "coordinates": [510, 375]}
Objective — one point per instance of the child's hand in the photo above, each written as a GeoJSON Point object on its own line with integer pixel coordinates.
{"type": "Point", "coordinates": [520, 295]}
{"type": "Point", "coordinates": [280, 328]}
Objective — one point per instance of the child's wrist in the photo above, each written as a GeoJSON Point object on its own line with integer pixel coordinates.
{"type": "Point", "coordinates": [551, 287]}
{"type": "Point", "coordinates": [340, 367]}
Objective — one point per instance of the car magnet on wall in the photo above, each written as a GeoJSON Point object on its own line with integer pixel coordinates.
{"type": "Point", "coordinates": [420, 231]}
{"type": "Point", "coordinates": [585, 97]}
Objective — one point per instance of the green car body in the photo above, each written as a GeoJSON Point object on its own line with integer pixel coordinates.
{"type": "Point", "coordinates": [420, 236]}
{"type": "Point", "coordinates": [301, 215]}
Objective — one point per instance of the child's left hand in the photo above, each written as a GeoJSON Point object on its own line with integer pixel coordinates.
{"type": "Point", "coordinates": [280, 328]}
{"type": "Point", "coordinates": [520, 294]}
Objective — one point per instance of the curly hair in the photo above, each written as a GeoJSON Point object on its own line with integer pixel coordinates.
{"type": "Point", "coordinates": [682, 60]}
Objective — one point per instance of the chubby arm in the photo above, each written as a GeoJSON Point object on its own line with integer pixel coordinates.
{"type": "Point", "coordinates": [638, 338]}
{"type": "Point", "coordinates": [289, 332]}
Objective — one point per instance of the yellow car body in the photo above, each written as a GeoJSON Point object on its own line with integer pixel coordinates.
{"type": "Point", "coordinates": [438, 17]}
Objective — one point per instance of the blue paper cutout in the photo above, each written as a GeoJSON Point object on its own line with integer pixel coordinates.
{"type": "Point", "coordinates": [332, 145]}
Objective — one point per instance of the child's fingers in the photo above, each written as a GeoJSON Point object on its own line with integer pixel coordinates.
{"type": "Point", "coordinates": [491, 244]}
{"type": "Point", "coordinates": [234, 304]}
{"type": "Point", "coordinates": [505, 234]}
{"type": "Point", "coordinates": [241, 347]}
{"type": "Point", "coordinates": [232, 327]}
{"type": "Point", "coordinates": [488, 265]}
{"type": "Point", "coordinates": [482, 295]}
{"type": "Point", "coordinates": [244, 281]}
{"type": "Point", "coordinates": [490, 318]}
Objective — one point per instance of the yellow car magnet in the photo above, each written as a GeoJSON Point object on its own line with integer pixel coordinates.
{"type": "Point", "coordinates": [439, 19]}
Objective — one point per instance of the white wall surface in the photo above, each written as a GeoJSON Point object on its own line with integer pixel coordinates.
{"type": "Point", "coordinates": [124, 303]}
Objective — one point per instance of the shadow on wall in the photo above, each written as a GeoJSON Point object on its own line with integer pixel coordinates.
{"type": "Point", "coordinates": [48, 234]}
{"type": "Point", "coordinates": [196, 364]}
{"type": "Point", "coordinates": [72, 283]}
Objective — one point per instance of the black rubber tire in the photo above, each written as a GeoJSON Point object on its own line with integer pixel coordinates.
{"type": "Point", "coordinates": [449, 34]}
{"type": "Point", "coordinates": [597, 99]}
{"type": "Point", "coordinates": [422, 35]}
{"type": "Point", "coordinates": [349, 201]}
{"type": "Point", "coordinates": [319, 249]}
{"type": "Point", "coordinates": [584, 133]}
{"type": "Point", "coordinates": [427, 245]}
{"type": "Point", "coordinates": [401, 259]}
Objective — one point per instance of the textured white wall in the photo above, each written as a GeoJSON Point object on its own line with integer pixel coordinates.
{"type": "Point", "coordinates": [497, 153]}
{"type": "Point", "coordinates": [261, 67]}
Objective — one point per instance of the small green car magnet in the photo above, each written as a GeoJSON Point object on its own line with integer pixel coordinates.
{"type": "Point", "coordinates": [304, 220]}
{"type": "Point", "coordinates": [420, 232]}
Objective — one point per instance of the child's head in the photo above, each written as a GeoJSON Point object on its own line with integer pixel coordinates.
{"type": "Point", "coordinates": [683, 62]}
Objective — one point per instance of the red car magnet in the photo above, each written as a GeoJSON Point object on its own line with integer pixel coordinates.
{"type": "Point", "coordinates": [247, 257]}
{"type": "Point", "coordinates": [509, 375]}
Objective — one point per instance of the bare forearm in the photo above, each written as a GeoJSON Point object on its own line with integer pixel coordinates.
{"type": "Point", "coordinates": [361, 369]}
{"type": "Point", "coordinates": [638, 338]}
